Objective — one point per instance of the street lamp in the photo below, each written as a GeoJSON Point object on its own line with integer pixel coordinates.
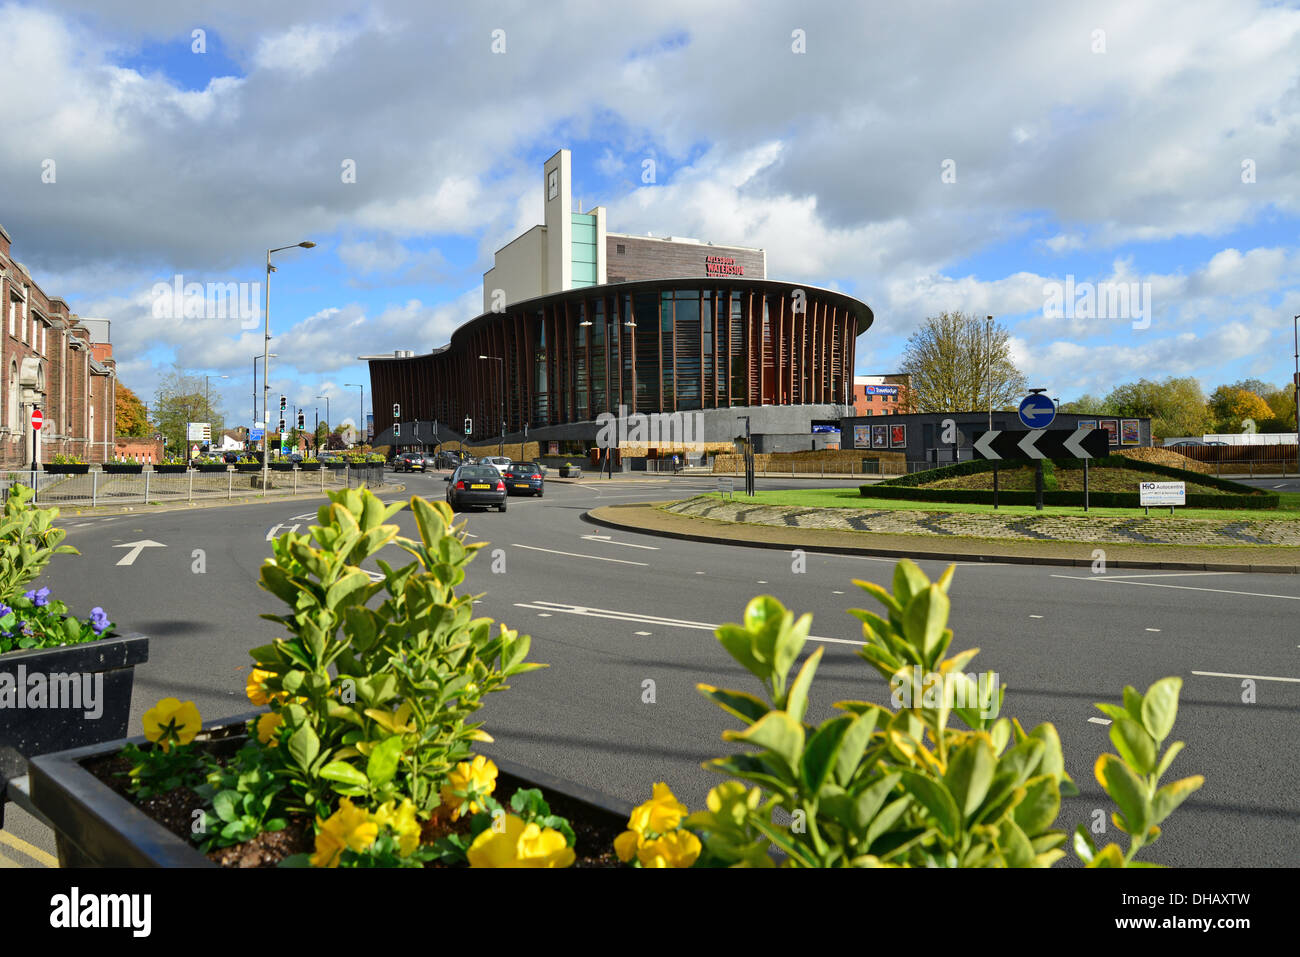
{"type": "Point", "coordinates": [362, 398]}
{"type": "Point", "coordinates": [988, 361]}
{"type": "Point", "coordinates": [502, 395]}
{"type": "Point", "coordinates": [266, 348]}
{"type": "Point", "coordinates": [1295, 331]}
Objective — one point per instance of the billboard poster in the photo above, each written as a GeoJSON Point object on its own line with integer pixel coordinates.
{"type": "Point", "coordinates": [1087, 424]}
{"type": "Point", "coordinates": [880, 436]}
{"type": "Point", "coordinates": [898, 436]}
{"type": "Point", "coordinates": [1112, 427]}
{"type": "Point", "coordinates": [1130, 432]}
{"type": "Point", "coordinates": [862, 436]}
{"type": "Point", "coordinates": [553, 448]}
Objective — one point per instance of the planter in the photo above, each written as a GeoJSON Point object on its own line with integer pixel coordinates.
{"type": "Point", "coordinates": [95, 827]}
{"type": "Point", "coordinates": [248, 466]}
{"type": "Point", "coordinates": [27, 732]}
{"type": "Point", "coordinates": [335, 465]}
{"type": "Point", "coordinates": [170, 469]}
{"type": "Point", "coordinates": [309, 466]}
{"type": "Point", "coordinates": [281, 466]}
{"type": "Point", "coordinates": [65, 469]}
{"type": "Point", "coordinates": [212, 468]}
{"type": "Point", "coordinates": [123, 468]}
{"type": "Point", "coordinates": [570, 471]}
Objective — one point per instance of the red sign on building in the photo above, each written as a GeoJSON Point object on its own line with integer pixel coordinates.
{"type": "Point", "coordinates": [722, 266]}
{"type": "Point", "coordinates": [37, 419]}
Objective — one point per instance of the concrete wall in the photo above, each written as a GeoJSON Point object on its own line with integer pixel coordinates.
{"type": "Point", "coordinates": [520, 269]}
{"type": "Point", "coordinates": [644, 257]}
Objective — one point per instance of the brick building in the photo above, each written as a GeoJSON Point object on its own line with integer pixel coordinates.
{"type": "Point", "coordinates": [881, 394]}
{"type": "Point", "coordinates": [54, 362]}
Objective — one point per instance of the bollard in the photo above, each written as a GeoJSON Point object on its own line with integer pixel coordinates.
{"type": "Point", "coordinates": [94, 488]}
{"type": "Point", "coordinates": [146, 487]}
{"type": "Point", "coordinates": [230, 484]}
{"type": "Point", "coordinates": [190, 473]}
{"type": "Point", "coordinates": [295, 480]}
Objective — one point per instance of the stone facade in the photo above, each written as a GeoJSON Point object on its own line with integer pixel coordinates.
{"type": "Point", "coordinates": [50, 363]}
{"type": "Point", "coordinates": [633, 258]}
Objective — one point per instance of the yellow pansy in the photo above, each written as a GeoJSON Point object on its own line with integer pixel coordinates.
{"type": "Point", "coordinates": [467, 785]}
{"type": "Point", "coordinates": [267, 725]}
{"type": "Point", "coordinates": [402, 821]}
{"type": "Point", "coordinates": [348, 827]}
{"type": "Point", "coordinates": [674, 849]}
{"type": "Point", "coordinates": [661, 814]}
{"type": "Point", "coordinates": [255, 687]}
{"type": "Point", "coordinates": [626, 844]}
{"type": "Point", "coordinates": [520, 845]}
{"type": "Point", "coordinates": [172, 722]}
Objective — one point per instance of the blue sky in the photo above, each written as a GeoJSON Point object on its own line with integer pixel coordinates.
{"type": "Point", "coordinates": [919, 157]}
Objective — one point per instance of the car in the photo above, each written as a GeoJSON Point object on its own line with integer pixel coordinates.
{"type": "Point", "coordinates": [295, 457]}
{"type": "Point", "coordinates": [476, 485]}
{"type": "Point", "coordinates": [230, 458]}
{"type": "Point", "coordinates": [409, 462]}
{"type": "Point", "coordinates": [498, 462]}
{"type": "Point", "coordinates": [330, 457]}
{"type": "Point", "coordinates": [524, 478]}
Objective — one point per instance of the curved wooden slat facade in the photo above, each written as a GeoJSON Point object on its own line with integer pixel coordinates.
{"type": "Point", "coordinates": [695, 344]}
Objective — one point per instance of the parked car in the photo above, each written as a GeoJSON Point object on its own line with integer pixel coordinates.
{"type": "Point", "coordinates": [498, 462]}
{"type": "Point", "coordinates": [524, 478]}
{"type": "Point", "coordinates": [295, 457]}
{"type": "Point", "coordinates": [476, 485]}
{"type": "Point", "coordinates": [230, 458]}
{"type": "Point", "coordinates": [409, 462]}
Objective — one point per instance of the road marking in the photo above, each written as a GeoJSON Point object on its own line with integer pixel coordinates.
{"type": "Point", "coordinates": [130, 557]}
{"type": "Point", "coordinates": [1222, 591]}
{"type": "Point", "coordinates": [598, 558]}
{"type": "Point", "coordinates": [6, 862]}
{"type": "Point", "coordinates": [1100, 720]}
{"type": "Point", "coordinates": [35, 853]}
{"type": "Point", "coordinates": [1035, 616]}
{"type": "Point", "coordinates": [1280, 486]}
{"type": "Point", "coordinates": [643, 634]}
{"type": "Point", "coordinates": [606, 540]}
{"type": "Point", "coordinates": [543, 614]}
{"type": "Point", "coordinates": [640, 619]}
{"type": "Point", "coordinates": [270, 536]}
{"type": "Point", "coordinates": [762, 583]}
{"type": "Point", "coordinates": [1153, 629]}
{"type": "Point", "coordinates": [1173, 574]}
{"type": "Point", "coordinates": [1221, 674]}
{"type": "Point", "coordinates": [837, 593]}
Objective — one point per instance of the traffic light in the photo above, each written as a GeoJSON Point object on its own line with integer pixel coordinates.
{"type": "Point", "coordinates": [283, 405]}
{"type": "Point", "coordinates": [302, 420]}
{"type": "Point", "coordinates": [469, 426]}
{"type": "Point", "coordinates": [397, 411]}
{"type": "Point", "coordinates": [397, 429]}
{"type": "Point", "coordinates": [281, 428]}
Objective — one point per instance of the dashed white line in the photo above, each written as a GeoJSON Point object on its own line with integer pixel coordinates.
{"type": "Point", "coordinates": [1035, 616]}
{"type": "Point", "coordinates": [1153, 629]}
{"type": "Point", "coordinates": [1222, 591]}
{"type": "Point", "coordinates": [1099, 720]}
{"type": "Point", "coordinates": [643, 634]}
{"type": "Point", "coordinates": [1222, 674]}
{"type": "Point", "coordinates": [596, 558]}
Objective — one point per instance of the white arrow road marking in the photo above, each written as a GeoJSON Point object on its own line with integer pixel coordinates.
{"type": "Point", "coordinates": [1027, 446]}
{"type": "Point", "coordinates": [606, 540]}
{"type": "Point", "coordinates": [554, 606]}
{"type": "Point", "coordinates": [1074, 443]}
{"type": "Point", "coordinates": [130, 557]}
{"type": "Point", "coordinates": [984, 444]}
{"type": "Point", "coordinates": [275, 528]}
{"type": "Point", "coordinates": [619, 561]}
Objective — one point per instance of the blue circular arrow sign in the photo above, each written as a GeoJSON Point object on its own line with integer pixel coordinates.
{"type": "Point", "coordinates": [1037, 411]}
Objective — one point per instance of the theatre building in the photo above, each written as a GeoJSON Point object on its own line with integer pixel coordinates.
{"type": "Point", "coordinates": [579, 322]}
{"type": "Point", "coordinates": [55, 362]}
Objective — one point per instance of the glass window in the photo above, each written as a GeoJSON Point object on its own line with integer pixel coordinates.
{"type": "Point", "coordinates": [686, 367]}
{"type": "Point", "coordinates": [646, 314]}
{"type": "Point", "coordinates": [738, 354]}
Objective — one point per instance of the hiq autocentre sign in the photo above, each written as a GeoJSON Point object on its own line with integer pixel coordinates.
{"type": "Point", "coordinates": [722, 266]}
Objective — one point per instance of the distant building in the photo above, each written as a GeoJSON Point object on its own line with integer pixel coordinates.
{"type": "Point", "coordinates": [881, 394]}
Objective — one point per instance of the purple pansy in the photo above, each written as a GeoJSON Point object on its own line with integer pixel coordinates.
{"type": "Point", "coordinates": [39, 598]}
{"type": "Point", "coordinates": [98, 620]}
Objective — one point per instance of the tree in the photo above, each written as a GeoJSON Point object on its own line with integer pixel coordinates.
{"type": "Point", "coordinates": [1282, 402]}
{"type": "Point", "coordinates": [952, 358]}
{"type": "Point", "coordinates": [1176, 406]}
{"type": "Point", "coordinates": [183, 398]}
{"type": "Point", "coordinates": [130, 416]}
{"type": "Point", "coordinates": [1232, 407]}
{"type": "Point", "coordinates": [322, 435]}
{"type": "Point", "coordinates": [1089, 404]}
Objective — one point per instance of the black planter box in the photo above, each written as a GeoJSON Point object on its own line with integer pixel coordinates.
{"type": "Point", "coordinates": [65, 469]}
{"type": "Point", "coordinates": [281, 466]}
{"type": "Point", "coordinates": [248, 466]}
{"type": "Point", "coordinates": [570, 472]}
{"type": "Point", "coordinates": [212, 468]}
{"type": "Point", "coordinates": [170, 469]}
{"type": "Point", "coordinates": [94, 827]}
{"type": "Point", "coordinates": [335, 465]}
{"type": "Point", "coordinates": [309, 466]}
{"type": "Point", "coordinates": [122, 468]}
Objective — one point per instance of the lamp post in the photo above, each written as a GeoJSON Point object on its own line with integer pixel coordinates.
{"type": "Point", "coordinates": [266, 348]}
{"type": "Point", "coordinates": [1295, 331]}
{"type": "Point", "coordinates": [254, 409]}
{"type": "Point", "coordinates": [501, 392]}
{"type": "Point", "coordinates": [327, 420]}
{"type": "Point", "coordinates": [361, 393]}
{"type": "Point", "coordinates": [988, 361]}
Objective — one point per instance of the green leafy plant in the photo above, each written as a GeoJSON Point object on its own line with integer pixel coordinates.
{"type": "Point", "coordinates": [157, 770]}
{"type": "Point", "coordinates": [876, 786]}
{"type": "Point", "coordinates": [376, 701]}
{"type": "Point", "coordinates": [240, 797]}
{"type": "Point", "coordinates": [28, 540]}
{"type": "Point", "coordinates": [526, 803]}
{"type": "Point", "coordinates": [61, 459]}
{"type": "Point", "coordinates": [1132, 778]}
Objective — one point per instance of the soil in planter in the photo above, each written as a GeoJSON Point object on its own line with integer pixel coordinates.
{"type": "Point", "coordinates": [594, 840]}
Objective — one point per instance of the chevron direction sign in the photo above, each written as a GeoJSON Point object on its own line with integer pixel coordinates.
{"type": "Point", "coordinates": [1042, 444]}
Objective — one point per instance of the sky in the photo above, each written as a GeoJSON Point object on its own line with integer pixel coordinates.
{"type": "Point", "coordinates": [1117, 182]}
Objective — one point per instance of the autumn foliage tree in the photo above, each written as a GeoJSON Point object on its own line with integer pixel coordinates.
{"type": "Point", "coordinates": [1235, 410]}
{"type": "Point", "coordinates": [956, 364]}
{"type": "Point", "coordinates": [131, 417]}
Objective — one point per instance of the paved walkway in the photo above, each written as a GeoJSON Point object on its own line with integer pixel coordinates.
{"type": "Point", "coordinates": [791, 531]}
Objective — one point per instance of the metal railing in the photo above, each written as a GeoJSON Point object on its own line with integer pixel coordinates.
{"type": "Point", "coordinates": [95, 487]}
{"type": "Point", "coordinates": [1245, 460]}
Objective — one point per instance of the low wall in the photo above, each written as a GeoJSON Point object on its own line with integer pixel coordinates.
{"type": "Point", "coordinates": [835, 461]}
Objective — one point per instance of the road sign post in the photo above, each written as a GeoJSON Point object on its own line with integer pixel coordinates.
{"type": "Point", "coordinates": [38, 419]}
{"type": "Point", "coordinates": [1037, 445]}
{"type": "Point", "coordinates": [1037, 411]}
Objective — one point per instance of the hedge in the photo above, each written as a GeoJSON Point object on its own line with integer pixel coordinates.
{"type": "Point", "coordinates": [1257, 500]}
